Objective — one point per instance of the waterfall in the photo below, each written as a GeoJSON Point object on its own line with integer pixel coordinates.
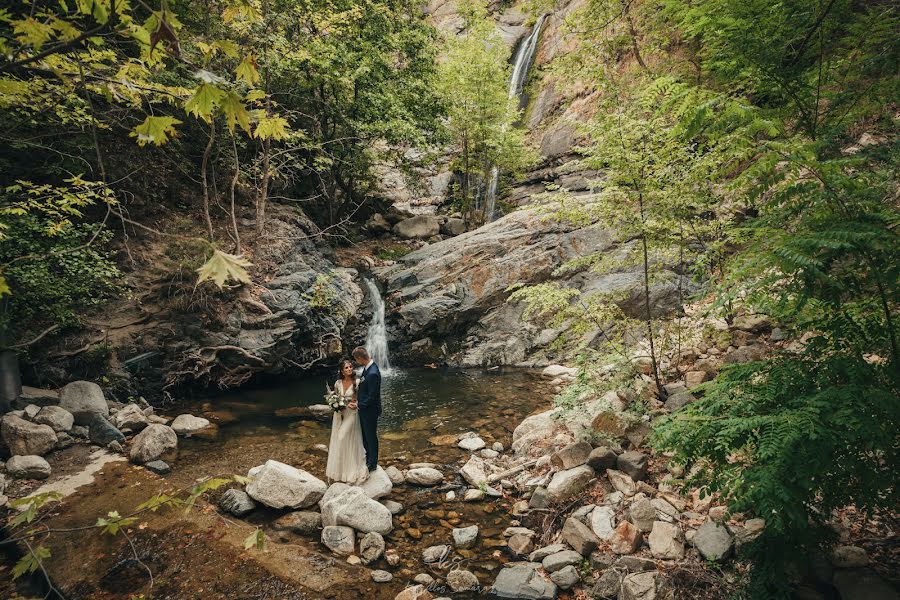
{"type": "Point", "coordinates": [376, 339]}
{"type": "Point", "coordinates": [521, 65]}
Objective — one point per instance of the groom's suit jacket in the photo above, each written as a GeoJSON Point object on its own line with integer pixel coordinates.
{"type": "Point", "coordinates": [368, 395]}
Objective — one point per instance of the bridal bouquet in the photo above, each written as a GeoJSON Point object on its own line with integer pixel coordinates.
{"type": "Point", "coordinates": [336, 401]}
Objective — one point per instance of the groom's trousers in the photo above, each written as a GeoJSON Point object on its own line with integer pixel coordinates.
{"type": "Point", "coordinates": [368, 420]}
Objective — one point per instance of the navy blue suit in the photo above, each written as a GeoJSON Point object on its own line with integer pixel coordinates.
{"type": "Point", "coordinates": [368, 399]}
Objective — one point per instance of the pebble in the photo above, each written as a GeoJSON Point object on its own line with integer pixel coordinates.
{"type": "Point", "coordinates": [379, 576]}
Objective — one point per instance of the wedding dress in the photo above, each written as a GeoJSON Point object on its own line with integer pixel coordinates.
{"type": "Point", "coordinates": [346, 456]}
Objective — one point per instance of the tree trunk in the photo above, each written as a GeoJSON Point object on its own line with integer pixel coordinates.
{"type": "Point", "coordinates": [647, 314]}
{"type": "Point", "coordinates": [263, 192]}
{"type": "Point", "coordinates": [234, 180]}
{"type": "Point", "coordinates": [204, 178]}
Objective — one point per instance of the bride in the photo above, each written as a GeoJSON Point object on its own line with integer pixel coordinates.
{"type": "Point", "coordinates": [346, 456]}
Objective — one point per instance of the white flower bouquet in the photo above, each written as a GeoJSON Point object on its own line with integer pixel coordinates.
{"type": "Point", "coordinates": [336, 401]}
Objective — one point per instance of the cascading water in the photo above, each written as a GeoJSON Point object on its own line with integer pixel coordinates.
{"type": "Point", "coordinates": [524, 58]}
{"type": "Point", "coordinates": [376, 340]}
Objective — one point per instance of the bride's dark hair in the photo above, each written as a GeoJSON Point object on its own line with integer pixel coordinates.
{"type": "Point", "coordinates": [341, 370]}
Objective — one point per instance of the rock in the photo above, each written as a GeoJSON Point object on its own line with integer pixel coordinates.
{"type": "Point", "coordinates": [83, 399]}
{"type": "Point", "coordinates": [634, 564]}
{"type": "Point", "coordinates": [573, 455]}
{"type": "Point", "coordinates": [622, 482]}
{"type": "Point", "coordinates": [349, 505]}
{"type": "Point", "coordinates": [465, 537]}
{"type": "Point", "coordinates": [371, 547]}
{"type": "Point", "coordinates": [189, 424]}
{"type": "Point", "coordinates": [395, 507]}
{"type": "Point", "coordinates": [58, 419]}
{"type": "Point", "coordinates": [475, 471]}
{"type": "Point", "coordinates": [863, 584]}
{"type": "Point", "coordinates": [237, 502]}
{"type": "Point", "coordinates": [602, 560]}
{"type": "Point", "coordinates": [566, 577]}
{"type": "Point", "coordinates": [533, 429]}
{"type": "Point", "coordinates": [553, 371]}
{"type": "Point", "coordinates": [339, 539]}
{"type": "Point", "coordinates": [541, 553]}
{"type": "Point", "coordinates": [424, 579]}
{"type": "Point", "coordinates": [753, 323]}
{"type": "Point", "coordinates": [603, 522]}
{"type": "Point", "coordinates": [28, 467]}
{"type": "Point", "coordinates": [642, 514]}
{"type": "Point", "coordinates": [566, 484]}
{"type": "Point", "coordinates": [79, 431]}
{"type": "Point", "coordinates": [665, 541]}
{"type": "Point", "coordinates": [471, 444]}
{"type": "Point", "coordinates": [381, 576]}
{"type": "Point", "coordinates": [158, 466]}
{"type": "Point", "coordinates": [115, 446]}
{"type": "Point", "coordinates": [301, 522]}
{"type": "Point", "coordinates": [38, 396]}
{"type": "Point", "coordinates": [418, 227]}
{"type": "Point", "coordinates": [377, 224]}
{"type": "Point", "coordinates": [745, 354]}
{"type": "Point", "coordinates": [608, 585]}
{"type": "Point", "coordinates": [640, 586]}
{"type": "Point", "coordinates": [102, 432]}
{"type": "Point", "coordinates": [278, 485]}
{"type": "Point", "coordinates": [63, 440]}
{"type": "Point", "coordinates": [511, 531]}
{"type": "Point", "coordinates": [750, 531]}
{"type": "Point", "coordinates": [131, 417]}
{"type": "Point", "coordinates": [609, 423]}
{"type": "Point", "coordinates": [718, 513]}
{"type": "Point", "coordinates": [520, 544]}
{"type": "Point", "coordinates": [395, 475]}
{"type": "Point", "coordinates": [539, 498]}
{"type": "Point", "coordinates": [522, 582]}
{"type": "Point", "coordinates": [633, 464]}
{"type": "Point", "coordinates": [626, 539]}
{"type": "Point", "coordinates": [415, 592]}
{"type": "Point", "coordinates": [454, 226]}
{"type": "Point", "coordinates": [679, 400]}
{"type": "Point", "coordinates": [153, 443]}
{"type": "Point", "coordinates": [424, 476]}
{"type": "Point", "coordinates": [560, 560]}
{"type": "Point", "coordinates": [497, 447]}
{"type": "Point", "coordinates": [489, 454]}
{"type": "Point", "coordinates": [434, 554]}
{"type": "Point", "coordinates": [461, 580]}
{"type": "Point", "coordinates": [583, 513]}
{"type": "Point", "coordinates": [31, 411]}
{"type": "Point", "coordinates": [713, 540]}
{"type": "Point", "coordinates": [849, 557]}
{"type": "Point", "coordinates": [378, 484]}
{"type": "Point", "coordinates": [694, 378]}
{"type": "Point", "coordinates": [26, 439]}
{"type": "Point", "coordinates": [392, 557]}
{"type": "Point", "coordinates": [579, 536]}
{"type": "Point", "coordinates": [601, 458]}
{"type": "Point", "coordinates": [777, 335]}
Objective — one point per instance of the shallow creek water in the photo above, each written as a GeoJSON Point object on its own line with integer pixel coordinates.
{"type": "Point", "coordinates": [424, 411]}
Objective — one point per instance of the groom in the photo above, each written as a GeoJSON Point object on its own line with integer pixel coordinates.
{"type": "Point", "coordinates": [368, 399]}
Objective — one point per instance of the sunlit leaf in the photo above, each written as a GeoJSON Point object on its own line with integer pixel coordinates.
{"type": "Point", "coordinates": [235, 112]}
{"type": "Point", "coordinates": [275, 128]}
{"type": "Point", "coordinates": [246, 70]}
{"type": "Point", "coordinates": [222, 267]}
{"type": "Point", "coordinates": [204, 101]}
{"type": "Point", "coordinates": [257, 539]}
{"type": "Point", "coordinates": [155, 130]}
{"type": "Point", "coordinates": [31, 562]}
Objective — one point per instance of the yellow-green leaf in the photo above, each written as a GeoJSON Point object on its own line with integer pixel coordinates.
{"type": "Point", "coordinates": [246, 70]}
{"type": "Point", "coordinates": [254, 95]}
{"type": "Point", "coordinates": [257, 538]}
{"type": "Point", "coordinates": [275, 128]}
{"type": "Point", "coordinates": [32, 32]}
{"type": "Point", "coordinates": [228, 48]}
{"type": "Point", "coordinates": [235, 112]}
{"type": "Point", "coordinates": [4, 286]}
{"type": "Point", "coordinates": [204, 101]}
{"type": "Point", "coordinates": [155, 130]}
{"type": "Point", "coordinates": [222, 266]}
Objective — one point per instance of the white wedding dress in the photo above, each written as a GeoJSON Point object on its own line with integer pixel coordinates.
{"type": "Point", "coordinates": [346, 455]}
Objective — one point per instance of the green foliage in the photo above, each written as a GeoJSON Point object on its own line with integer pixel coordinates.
{"type": "Point", "coordinates": [114, 522]}
{"type": "Point", "coordinates": [31, 562]}
{"type": "Point", "coordinates": [32, 504]}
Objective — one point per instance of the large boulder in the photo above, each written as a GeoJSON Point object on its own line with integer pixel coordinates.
{"type": "Point", "coordinates": [131, 418]}
{"type": "Point", "coordinates": [188, 424]}
{"type": "Point", "coordinates": [665, 541]}
{"type": "Point", "coordinates": [523, 582]}
{"type": "Point", "coordinates": [566, 484]}
{"type": "Point", "coordinates": [156, 441]}
{"type": "Point", "coordinates": [24, 438]}
{"type": "Point", "coordinates": [378, 484]}
{"type": "Point", "coordinates": [573, 455]}
{"type": "Point", "coordinates": [102, 432]}
{"type": "Point", "coordinates": [59, 419]}
{"type": "Point", "coordinates": [349, 505]}
{"type": "Point", "coordinates": [419, 226]}
{"type": "Point", "coordinates": [83, 399]}
{"type": "Point", "coordinates": [278, 485]}
{"type": "Point", "coordinates": [28, 467]}
{"type": "Point", "coordinates": [713, 540]}
{"type": "Point", "coordinates": [476, 471]}
{"type": "Point", "coordinates": [533, 429]}
{"type": "Point", "coordinates": [579, 536]}
{"type": "Point", "coordinates": [863, 584]}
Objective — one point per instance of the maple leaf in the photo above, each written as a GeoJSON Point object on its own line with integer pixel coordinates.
{"type": "Point", "coordinates": [235, 112]}
{"type": "Point", "coordinates": [222, 266]}
{"type": "Point", "coordinates": [155, 130]}
{"type": "Point", "coordinates": [246, 70]}
{"type": "Point", "coordinates": [275, 128]}
{"type": "Point", "coordinates": [204, 101]}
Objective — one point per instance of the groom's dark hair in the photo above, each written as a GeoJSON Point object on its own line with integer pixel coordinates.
{"type": "Point", "coordinates": [360, 352]}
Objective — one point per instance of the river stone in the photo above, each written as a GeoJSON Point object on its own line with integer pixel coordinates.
{"type": "Point", "coordinates": [603, 522]}
{"type": "Point", "coordinates": [395, 475]}
{"type": "Point", "coordinates": [665, 541]}
{"type": "Point", "coordinates": [554, 371]}
{"type": "Point", "coordinates": [640, 586]}
{"type": "Point", "coordinates": [520, 544]}
{"type": "Point", "coordinates": [559, 560]}
{"type": "Point", "coordinates": [566, 577]}
{"type": "Point", "coordinates": [541, 553]}
{"type": "Point", "coordinates": [461, 580]}
{"type": "Point", "coordinates": [419, 226]}
{"type": "Point", "coordinates": [579, 536]}
{"type": "Point", "coordinates": [425, 476]}
{"type": "Point", "coordinates": [626, 539]}
{"type": "Point", "coordinates": [573, 455]}
{"type": "Point", "coordinates": [471, 444]}
{"type": "Point", "coordinates": [642, 514]}
{"type": "Point", "coordinates": [378, 484]}
{"type": "Point", "coordinates": [381, 576]}
{"type": "Point", "coordinates": [523, 582]}
{"type": "Point", "coordinates": [863, 584]}
{"type": "Point", "coordinates": [633, 464]}
{"type": "Point", "coordinates": [424, 579]}
{"type": "Point", "coordinates": [713, 540]}
{"type": "Point", "coordinates": [622, 482]}
{"type": "Point", "coordinates": [339, 539]}
{"type": "Point", "coordinates": [25, 438]}
{"type": "Point", "coordinates": [350, 506]}
{"type": "Point", "coordinates": [532, 429]}
{"type": "Point", "coordinates": [131, 417]}
{"type": "Point", "coordinates": [188, 424]}
{"type": "Point", "coordinates": [103, 433]}
{"type": "Point", "coordinates": [395, 507]}
{"type": "Point", "coordinates": [475, 471]}
{"type": "Point", "coordinates": [278, 485]}
{"type": "Point", "coordinates": [539, 498]}
{"type": "Point", "coordinates": [155, 442]}
{"type": "Point", "coordinates": [434, 554]}
{"type": "Point", "coordinates": [58, 419]}
{"type": "Point", "coordinates": [83, 399]}
{"type": "Point", "coordinates": [159, 467]}
{"type": "Point", "coordinates": [566, 484]}
{"type": "Point", "coordinates": [237, 502]}
{"type": "Point", "coordinates": [28, 467]}
{"type": "Point", "coordinates": [465, 537]}
{"type": "Point", "coordinates": [608, 585]}
{"type": "Point", "coordinates": [664, 511]}
{"type": "Point", "coordinates": [371, 547]}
